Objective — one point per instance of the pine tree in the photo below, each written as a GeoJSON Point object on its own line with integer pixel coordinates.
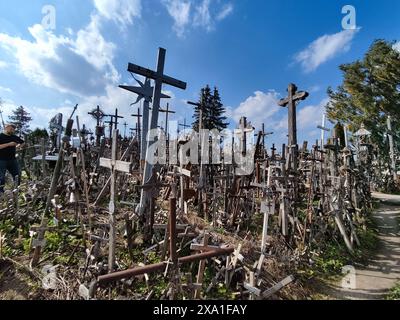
{"type": "Point", "coordinates": [213, 111]}
{"type": "Point", "coordinates": [21, 119]}
{"type": "Point", "coordinates": [36, 135]}
{"type": "Point", "coordinates": [369, 93]}
{"type": "Point", "coordinates": [217, 118]}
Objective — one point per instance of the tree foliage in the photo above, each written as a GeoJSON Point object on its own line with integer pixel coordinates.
{"type": "Point", "coordinates": [213, 110]}
{"type": "Point", "coordinates": [370, 92]}
{"type": "Point", "coordinates": [21, 118]}
{"type": "Point", "coordinates": [36, 135]}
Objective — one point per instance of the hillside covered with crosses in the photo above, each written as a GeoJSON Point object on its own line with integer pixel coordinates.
{"type": "Point", "coordinates": [140, 201]}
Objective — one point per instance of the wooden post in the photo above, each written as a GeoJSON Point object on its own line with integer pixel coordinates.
{"type": "Point", "coordinates": [84, 177]}
{"type": "Point", "coordinates": [392, 153]}
{"type": "Point", "coordinates": [202, 266]}
{"type": "Point", "coordinates": [43, 149]}
{"type": "Point", "coordinates": [115, 166]}
{"type": "Point", "coordinates": [172, 231]}
{"type": "Point", "coordinates": [56, 176]}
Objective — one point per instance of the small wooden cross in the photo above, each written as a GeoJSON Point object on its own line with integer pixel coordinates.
{"type": "Point", "coordinates": [114, 165]}
{"type": "Point", "coordinates": [40, 241]}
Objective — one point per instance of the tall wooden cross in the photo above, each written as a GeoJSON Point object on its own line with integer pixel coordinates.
{"type": "Point", "coordinates": [323, 130]}
{"type": "Point", "coordinates": [114, 165]}
{"type": "Point", "coordinates": [263, 135]}
{"type": "Point", "coordinates": [98, 115]}
{"type": "Point", "coordinates": [115, 118]}
{"type": "Point", "coordinates": [290, 102]}
{"type": "Point", "coordinates": [159, 78]}
{"type": "Point", "coordinates": [243, 130]}
{"type": "Point", "coordinates": [167, 112]}
{"type": "Point", "coordinates": [183, 125]}
{"type": "Point", "coordinates": [138, 134]}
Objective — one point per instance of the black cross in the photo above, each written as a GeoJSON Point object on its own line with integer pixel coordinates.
{"type": "Point", "coordinates": [97, 114]}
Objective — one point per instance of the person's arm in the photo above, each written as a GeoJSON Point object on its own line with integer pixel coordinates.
{"type": "Point", "coordinates": [7, 145]}
{"type": "Point", "coordinates": [20, 143]}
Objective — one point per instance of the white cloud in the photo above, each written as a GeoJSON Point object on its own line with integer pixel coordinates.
{"type": "Point", "coordinates": [262, 107]}
{"type": "Point", "coordinates": [3, 64]}
{"type": "Point", "coordinates": [202, 16]}
{"type": "Point", "coordinates": [111, 98]}
{"type": "Point", "coordinates": [324, 49]}
{"type": "Point", "coordinates": [258, 108]}
{"type": "Point", "coordinates": [97, 51]}
{"type": "Point", "coordinates": [226, 10]}
{"type": "Point", "coordinates": [396, 46]}
{"type": "Point", "coordinates": [81, 66]}
{"type": "Point", "coordinates": [121, 12]}
{"type": "Point", "coordinates": [194, 13]}
{"type": "Point", "coordinates": [311, 116]}
{"type": "Point", "coordinates": [5, 89]}
{"type": "Point", "coordinates": [179, 11]}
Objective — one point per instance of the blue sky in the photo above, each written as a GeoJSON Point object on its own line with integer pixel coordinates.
{"type": "Point", "coordinates": [250, 49]}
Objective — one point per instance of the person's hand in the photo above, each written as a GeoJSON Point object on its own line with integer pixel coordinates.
{"type": "Point", "coordinates": [12, 144]}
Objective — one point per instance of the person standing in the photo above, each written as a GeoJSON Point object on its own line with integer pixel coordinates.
{"type": "Point", "coordinates": [8, 162]}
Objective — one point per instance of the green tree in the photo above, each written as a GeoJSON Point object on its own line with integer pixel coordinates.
{"type": "Point", "coordinates": [213, 110]}
{"type": "Point", "coordinates": [21, 118]}
{"type": "Point", "coordinates": [36, 135]}
{"type": "Point", "coordinates": [369, 93]}
{"type": "Point", "coordinates": [217, 118]}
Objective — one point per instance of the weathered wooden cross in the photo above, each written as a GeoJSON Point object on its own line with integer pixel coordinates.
{"type": "Point", "coordinates": [167, 111]}
{"type": "Point", "coordinates": [113, 121]}
{"type": "Point", "coordinates": [183, 125]}
{"type": "Point", "coordinates": [98, 115]}
{"type": "Point", "coordinates": [159, 78]}
{"type": "Point", "coordinates": [290, 102]}
{"type": "Point", "coordinates": [138, 135]}
{"type": "Point", "coordinates": [243, 130]}
{"type": "Point", "coordinates": [114, 165]}
{"type": "Point", "coordinates": [323, 130]}
{"type": "Point", "coordinates": [144, 91]}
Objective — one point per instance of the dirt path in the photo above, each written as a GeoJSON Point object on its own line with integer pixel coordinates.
{"type": "Point", "coordinates": [374, 281]}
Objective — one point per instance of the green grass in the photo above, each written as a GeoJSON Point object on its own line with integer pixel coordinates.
{"type": "Point", "coordinates": [394, 293]}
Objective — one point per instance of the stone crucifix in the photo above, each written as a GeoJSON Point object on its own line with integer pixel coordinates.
{"type": "Point", "coordinates": [114, 165]}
